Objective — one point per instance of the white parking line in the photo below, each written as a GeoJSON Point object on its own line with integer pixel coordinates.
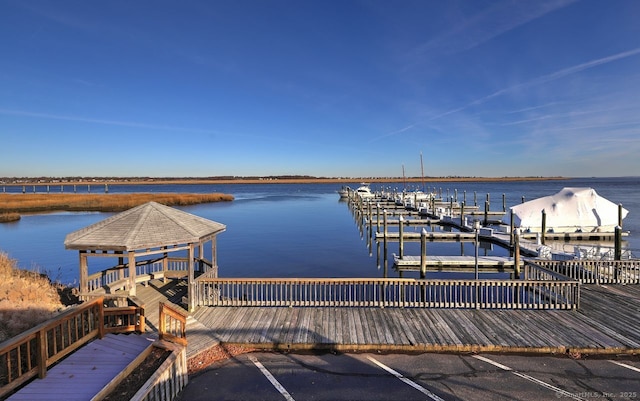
{"type": "Point", "coordinates": [272, 379]}
{"type": "Point", "coordinates": [624, 365]}
{"type": "Point", "coordinates": [405, 380]}
{"type": "Point", "coordinates": [559, 392]}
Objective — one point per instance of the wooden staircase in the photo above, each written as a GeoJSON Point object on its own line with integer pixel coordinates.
{"type": "Point", "coordinates": [90, 372]}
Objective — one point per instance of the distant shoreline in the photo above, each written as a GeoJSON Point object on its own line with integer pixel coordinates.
{"type": "Point", "coordinates": [269, 180]}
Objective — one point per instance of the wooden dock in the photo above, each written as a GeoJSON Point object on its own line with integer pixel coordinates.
{"type": "Point", "coordinates": [455, 263]}
{"type": "Point", "coordinates": [606, 323]}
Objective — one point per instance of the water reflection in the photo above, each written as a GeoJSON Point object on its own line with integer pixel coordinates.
{"type": "Point", "coordinates": [281, 230]}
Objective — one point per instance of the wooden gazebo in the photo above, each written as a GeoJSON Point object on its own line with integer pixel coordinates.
{"type": "Point", "coordinates": [146, 230]}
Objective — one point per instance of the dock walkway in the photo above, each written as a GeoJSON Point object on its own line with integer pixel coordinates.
{"type": "Point", "coordinates": [455, 263]}
{"type": "Point", "coordinates": [606, 323]}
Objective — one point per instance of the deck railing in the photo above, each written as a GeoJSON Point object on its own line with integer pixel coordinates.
{"type": "Point", "coordinates": [596, 271]}
{"type": "Point", "coordinates": [32, 352]}
{"type": "Point", "coordinates": [402, 293]}
{"type": "Point", "coordinates": [172, 324]}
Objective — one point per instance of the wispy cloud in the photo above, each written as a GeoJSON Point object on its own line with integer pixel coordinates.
{"type": "Point", "coordinates": [131, 124]}
{"type": "Point", "coordinates": [546, 78]}
{"type": "Point", "coordinates": [497, 20]}
{"type": "Point", "coordinates": [396, 132]}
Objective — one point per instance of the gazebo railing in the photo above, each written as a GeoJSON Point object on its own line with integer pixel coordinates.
{"type": "Point", "coordinates": [117, 277]}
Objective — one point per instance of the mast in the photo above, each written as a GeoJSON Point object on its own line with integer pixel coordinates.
{"type": "Point", "coordinates": [404, 180]}
{"type": "Point", "coordinates": [422, 171]}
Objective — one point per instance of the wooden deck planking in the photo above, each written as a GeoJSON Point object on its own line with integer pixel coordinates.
{"type": "Point", "coordinates": [606, 322]}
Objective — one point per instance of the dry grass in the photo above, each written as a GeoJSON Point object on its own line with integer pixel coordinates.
{"type": "Point", "coordinates": [9, 217]}
{"type": "Point", "coordinates": [34, 203]}
{"type": "Point", "coordinates": [26, 298]}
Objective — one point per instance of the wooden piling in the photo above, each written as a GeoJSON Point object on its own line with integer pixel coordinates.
{"type": "Point", "coordinates": [486, 212]}
{"type": "Point", "coordinates": [618, 243]}
{"type": "Point", "coordinates": [544, 226]}
{"type": "Point", "coordinates": [516, 253]}
{"type": "Point", "coordinates": [620, 215]}
{"type": "Point", "coordinates": [401, 240]}
{"type": "Point", "coordinates": [511, 226]}
{"type": "Point", "coordinates": [423, 254]}
{"type": "Point", "coordinates": [386, 257]}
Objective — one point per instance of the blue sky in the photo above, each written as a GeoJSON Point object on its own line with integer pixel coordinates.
{"type": "Point", "coordinates": [324, 88]}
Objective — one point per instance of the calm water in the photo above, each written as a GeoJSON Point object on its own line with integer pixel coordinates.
{"type": "Point", "coordinates": [285, 230]}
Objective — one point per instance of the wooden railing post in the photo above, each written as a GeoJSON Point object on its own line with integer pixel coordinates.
{"type": "Point", "coordinates": [161, 321]}
{"type": "Point", "coordinates": [41, 359]}
{"type": "Point", "coordinates": [101, 328]}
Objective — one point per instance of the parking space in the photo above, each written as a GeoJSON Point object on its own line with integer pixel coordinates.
{"type": "Point", "coordinates": [274, 376]}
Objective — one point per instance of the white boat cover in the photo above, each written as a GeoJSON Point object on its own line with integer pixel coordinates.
{"type": "Point", "coordinates": [570, 210]}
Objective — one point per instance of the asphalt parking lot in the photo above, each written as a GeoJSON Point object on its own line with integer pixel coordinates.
{"type": "Point", "coordinates": [276, 376]}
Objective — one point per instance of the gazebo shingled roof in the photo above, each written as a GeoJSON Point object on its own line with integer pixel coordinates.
{"type": "Point", "coordinates": [146, 226]}
{"type": "Point", "coordinates": [151, 228]}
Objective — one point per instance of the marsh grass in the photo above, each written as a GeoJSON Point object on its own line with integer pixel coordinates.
{"type": "Point", "coordinates": [27, 298]}
{"type": "Point", "coordinates": [9, 217]}
{"type": "Point", "coordinates": [35, 203]}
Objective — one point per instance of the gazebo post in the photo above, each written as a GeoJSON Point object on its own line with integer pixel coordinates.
{"type": "Point", "coordinates": [165, 264]}
{"type": "Point", "coordinates": [132, 273]}
{"type": "Point", "coordinates": [201, 256]}
{"type": "Point", "coordinates": [191, 280]}
{"type": "Point", "coordinates": [120, 263]}
{"type": "Point", "coordinates": [214, 256]}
